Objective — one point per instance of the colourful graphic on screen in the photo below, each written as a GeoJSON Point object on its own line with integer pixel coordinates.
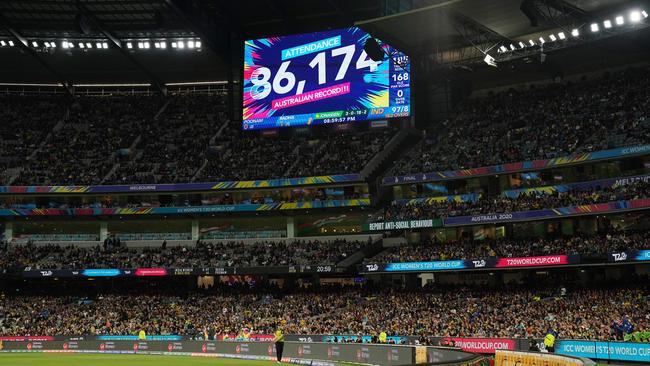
{"type": "Point", "coordinates": [321, 78]}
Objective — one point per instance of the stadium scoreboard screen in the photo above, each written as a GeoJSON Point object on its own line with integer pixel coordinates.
{"type": "Point", "coordinates": [321, 78]}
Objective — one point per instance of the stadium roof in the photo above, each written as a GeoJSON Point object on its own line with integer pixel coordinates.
{"type": "Point", "coordinates": [441, 25]}
{"type": "Point", "coordinates": [456, 30]}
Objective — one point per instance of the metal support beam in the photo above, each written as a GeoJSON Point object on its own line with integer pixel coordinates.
{"type": "Point", "coordinates": [22, 42]}
{"type": "Point", "coordinates": [559, 12]}
{"type": "Point", "coordinates": [476, 34]}
{"type": "Point", "coordinates": [219, 31]}
{"type": "Point", "coordinates": [188, 20]}
{"type": "Point", "coordinates": [153, 79]}
{"type": "Point", "coordinates": [478, 39]}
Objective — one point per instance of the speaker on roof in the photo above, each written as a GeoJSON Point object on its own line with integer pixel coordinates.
{"type": "Point", "coordinates": [374, 50]}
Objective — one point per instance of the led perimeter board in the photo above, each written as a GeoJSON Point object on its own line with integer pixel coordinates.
{"type": "Point", "coordinates": [321, 78]}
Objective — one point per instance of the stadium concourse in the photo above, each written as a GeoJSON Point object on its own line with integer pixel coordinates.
{"type": "Point", "coordinates": [371, 182]}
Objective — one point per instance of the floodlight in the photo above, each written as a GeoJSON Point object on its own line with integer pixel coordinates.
{"type": "Point", "coordinates": [190, 44]}
{"type": "Point", "coordinates": [521, 44]}
{"type": "Point", "coordinates": [552, 37]}
{"type": "Point", "coordinates": [197, 44]}
{"type": "Point", "coordinates": [146, 45]}
{"type": "Point", "coordinates": [575, 32]}
{"type": "Point", "coordinates": [561, 35]}
{"type": "Point", "coordinates": [490, 60]}
{"type": "Point", "coordinates": [513, 47]}
{"type": "Point", "coordinates": [607, 23]}
{"type": "Point", "coordinates": [181, 44]}
{"type": "Point", "coordinates": [532, 43]}
{"type": "Point", "coordinates": [635, 16]}
{"type": "Point", "coordinates": [89, 45]}
{"type": "Point", "coordinates": [81, 45]}
{"type": "Point", "coordinates": [3, 43]}
{"type": "Point", "coordinates": [34, 43]}
{"type": "Point", "coordinates": [594, 27]}
{"type": "Point", "coordinates": [173, 44]}
{"type": "Point", "coordinates": [129, 45]}
{"type": "Point", "coordinates": [644, 13]}
{"type": "Point", "coordinates": [105, 45]}
{"type": "Point", "coordinates": [503, 49]}
{"type": "Point", "coordinates": [620, 20]}
{"type": "Point", "coordinates": [541, 40]}
{"type": "Point", "coordinates": [163, 45]}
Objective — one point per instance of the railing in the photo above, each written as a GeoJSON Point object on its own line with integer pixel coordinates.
{"type": "Point", "coordinates": [154, 236]}
{"type": "Point", "coordinates": [577, 158]}
{"type": "Point", "coordinates": [58, 237]}
{"type": "Point", "coordinates": [215, 235]}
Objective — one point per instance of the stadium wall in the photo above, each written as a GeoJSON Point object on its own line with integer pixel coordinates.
{"type": "Point", "coordinates": [294, 352]}
{"type": "Point", "coordinates": [320, 347]}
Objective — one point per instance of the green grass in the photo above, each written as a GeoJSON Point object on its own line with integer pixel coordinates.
{"type": "Point", "coordinates": [67, 359]}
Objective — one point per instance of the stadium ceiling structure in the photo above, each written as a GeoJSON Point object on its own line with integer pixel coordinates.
{"type": "Point", "coordinates": [452, 32]}
{"type": "Point", "coordinates": [164, 41]}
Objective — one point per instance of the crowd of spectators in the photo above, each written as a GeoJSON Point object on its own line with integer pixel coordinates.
{"type": "Point", "coordinates": [241, 155]}
{"type": "Point", "coordinates": [83, 149]}
{"type": "Point", "coordinates": [586, 246]}
{"type": "Point", "coordinates": [124, 139]}
{"type": "Point", "coordinates": [145, 139]}
{"type": "Point", "coordinates": [399, 210]}
{"type": "Point", "coordinates": [513, 311]}
{"type": "Point", "coordinates": [238, 155]}
{"type": "Point", "coordinates": [24, 124]}
{"type": "Point", "coordinates": [540, 122]}
{"type": "Point", "coordinates": [173, 146]}
{"type": "Point", "coordinates": [203, 254]}
{"type": "Point", "coordinates": [347, 152]}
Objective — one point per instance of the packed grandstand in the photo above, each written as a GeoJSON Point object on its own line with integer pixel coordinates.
{"type": "Point", "coordinates": [515, 215]}
{"type": "Point", "coordinates": [143, 146]}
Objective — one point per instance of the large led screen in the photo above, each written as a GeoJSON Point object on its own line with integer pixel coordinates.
{"type": "Point", "coordinates": [321, 78]}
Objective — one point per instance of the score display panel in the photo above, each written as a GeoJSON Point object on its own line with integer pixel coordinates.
{"type": "Point", "coordinates": [321, 78]}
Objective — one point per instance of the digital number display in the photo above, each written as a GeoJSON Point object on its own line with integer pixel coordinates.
{"type": "Point", "coordinates": [321, 78]}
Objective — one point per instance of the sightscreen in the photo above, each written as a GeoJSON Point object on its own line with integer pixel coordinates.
{"type": "Point", "coordinates": [321, 78]}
